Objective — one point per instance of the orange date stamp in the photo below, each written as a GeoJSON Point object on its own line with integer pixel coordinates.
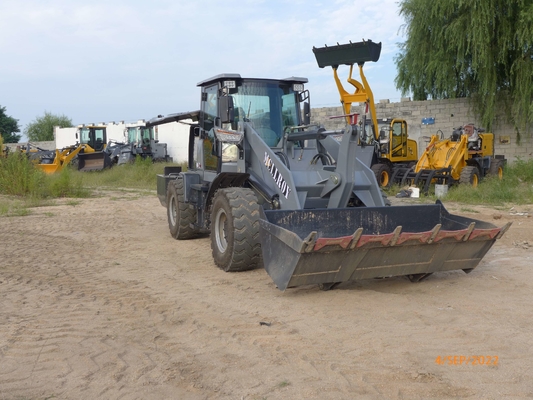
{"type": "Point", "coordinates": [467, 360]}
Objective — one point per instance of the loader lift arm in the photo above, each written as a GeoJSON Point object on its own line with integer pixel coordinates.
{"type": "Point", "coordinates": [176, 117]}
{"type": "Point", "coordinates": [350, 54]}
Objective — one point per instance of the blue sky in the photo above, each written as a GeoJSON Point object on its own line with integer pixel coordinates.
{"type": "Point", "coordinates": [123, 60]}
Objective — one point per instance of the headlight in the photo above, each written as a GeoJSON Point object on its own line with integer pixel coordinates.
{"type": "Point", "coordinates": [227, 136]}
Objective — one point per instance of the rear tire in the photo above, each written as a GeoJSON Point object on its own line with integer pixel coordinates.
{"type": "Point", "coordinates": [496, 168]}
{"type": "Point", "coordinates": [383, 174]}
{"type": "Point", "coordinates": [470, 176]}
{"type": "Point", "coordinates": [235, 230]}
{"type": "Point", "coordinates": [181, 216]}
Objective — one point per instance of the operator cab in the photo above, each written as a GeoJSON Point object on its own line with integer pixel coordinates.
{"type": "Point", "coordinates": [94, 136]}
{"type": "Point", "coordinates": [268, 106]}
{"type": "Point", "coordinates": [140, 136]}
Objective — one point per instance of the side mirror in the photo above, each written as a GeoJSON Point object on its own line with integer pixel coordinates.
{"type": "Point", "coordinates": [304, 96]}
{"type": "Point", "coordinates": [307, 114]}
{"type": "Point", "coordinates": [226, 110]}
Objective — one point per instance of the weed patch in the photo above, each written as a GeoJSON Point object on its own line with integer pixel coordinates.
{"type": "Point", "coordinates": [20, 177]}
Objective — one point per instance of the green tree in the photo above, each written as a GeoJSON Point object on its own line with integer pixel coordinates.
{"type": "Point", "coordinates": [42, 128]}
{"type": "Point", "coordinates": [481, 49]}
{"type": "Point", "coordinates": [8, 127]}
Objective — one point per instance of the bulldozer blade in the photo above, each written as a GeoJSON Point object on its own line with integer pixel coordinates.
{"type": "Point", "coordinates": [96, 161]}
{"type": "Point", "coordinates": [347, 54]}
{"type": "Point", "coordinates": [329, 246]}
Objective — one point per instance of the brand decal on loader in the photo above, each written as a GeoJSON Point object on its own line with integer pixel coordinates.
{"type": "Point", "coordinates": [278, 178]}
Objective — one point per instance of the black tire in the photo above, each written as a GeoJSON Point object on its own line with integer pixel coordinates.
{"type": "Point", "coordinates": [235, 230]}
{"type": "Point", "coordinates": [496, 168]}
{"type": "Point", "coordinates": [470, 176]}
{"type": "Point", "coordinates": [180, 215]}
{"type": "Point", "coordinates": [383, 174]}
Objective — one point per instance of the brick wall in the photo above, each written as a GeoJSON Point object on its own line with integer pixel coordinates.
{"type": "Point", "coordinates": [447, 114]}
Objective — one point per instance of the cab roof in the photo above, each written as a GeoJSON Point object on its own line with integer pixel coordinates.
{"type": "Point", "coordinates": [225, 77]}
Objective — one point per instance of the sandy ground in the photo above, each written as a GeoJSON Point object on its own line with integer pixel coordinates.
{"type": "Point", "coordinates": [98, 301]}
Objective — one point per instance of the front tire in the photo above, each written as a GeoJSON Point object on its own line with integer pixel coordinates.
{"type": "Point", "coordinates": [181, 216]}
{"type": "Point", "coordinates": [470, 176]}
{"type": "Point", "coordinates": [383, 174]}
{"type": "Point", "coordinates": [235, 230]}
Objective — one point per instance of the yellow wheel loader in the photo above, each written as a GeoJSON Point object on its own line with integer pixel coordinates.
{"type": "Point", "coordinates": [302, 201]}
{"type": "Point", "coordinates": [465, 157]}
{"type": "Point", "coordinates": [89, 154]}
{"type": "Point", "coordinates": [393, 148]}
{"type": "Point", "coordinates": [95, 153]}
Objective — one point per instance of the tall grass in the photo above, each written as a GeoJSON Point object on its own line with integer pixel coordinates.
{"type": "Point", "coordinates": [515, 187]}
{"type": "Point", "coordinates": [19, 177]}
{"type": "Point", "coordinates": [140, 174]}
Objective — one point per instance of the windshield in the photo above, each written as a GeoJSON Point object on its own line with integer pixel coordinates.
{"type": "Point", "coordinates": [146, 134]}
{"type": "Point", "coordinates": [92, 136]}
{"type": "Point", "coordinates": [139, 135]}
{"type": "Point", "coordinates": [133, 134]}
{"type": "Point", "coordinates": [270, 107]}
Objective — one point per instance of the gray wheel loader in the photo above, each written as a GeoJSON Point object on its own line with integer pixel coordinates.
{"type": "Point", "coordinates": [273, 190]}
{"type": "Point", "coordinates": [141, 142]}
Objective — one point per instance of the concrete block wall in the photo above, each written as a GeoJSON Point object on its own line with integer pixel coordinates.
{"type": "Point", "coordinates": [447, 115]}
{"type": "Point", "coordinates": [51, 145]}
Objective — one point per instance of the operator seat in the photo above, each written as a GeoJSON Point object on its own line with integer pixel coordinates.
{"type": "Point", "coordinates": [99, 145]}
{"type": "Point", "coordinates": [473, 137]}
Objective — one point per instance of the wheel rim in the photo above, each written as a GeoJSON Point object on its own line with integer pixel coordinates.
{"type": "Point", "coordinates": [173, 212]}
{"type": "Point", "coordinates": [220, 230]}
{"type": "Point", "coordinates": [500, 172]}
{"type": "Point", "coordinates": [474, 180]}
{"type": "Point", "coordinates": [384, 178]}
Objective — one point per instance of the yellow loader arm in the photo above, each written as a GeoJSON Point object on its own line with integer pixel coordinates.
{"type": "Point", "coordinates": [63, 158]}
{"type": "Point", "coordinates": [350, 54]}
{"type": "Point", "coordinates": [445, 153]}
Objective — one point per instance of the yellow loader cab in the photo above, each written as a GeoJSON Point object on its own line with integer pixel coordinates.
{"type": "Point", "coordinates": [394, 150]}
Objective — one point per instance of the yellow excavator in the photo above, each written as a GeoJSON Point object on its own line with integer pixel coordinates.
{"type": "Point", "coordinates": [393, 148]}
{"type": "Point", "coordinates": [465, 157]}
{"type": "Point", "coordinates": [89, 153]}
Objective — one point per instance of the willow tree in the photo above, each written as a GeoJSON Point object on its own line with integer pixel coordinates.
{"type": "Point", "coordinates": [481, 49]}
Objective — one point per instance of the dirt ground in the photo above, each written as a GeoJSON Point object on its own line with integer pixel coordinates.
{"type": "Point", "coordinates": [98, 301]}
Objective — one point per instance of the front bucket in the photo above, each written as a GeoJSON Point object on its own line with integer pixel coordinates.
{"type": "Point", "coordinates": [49, 168]}
{"type": "Point", "coordinates": [348, 54]}
{"type": "Point", "coordinates": [94, 161]}
{"type": "Point", "coordinates": [328, 246]}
